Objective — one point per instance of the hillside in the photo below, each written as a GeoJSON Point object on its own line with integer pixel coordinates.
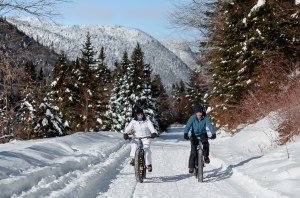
{"type": "Point", "coordinates": [183, 51]}
{"type": "Point", "coordinates": [21, 48]}
{"type": "Point", "coordinates": [115, 40]}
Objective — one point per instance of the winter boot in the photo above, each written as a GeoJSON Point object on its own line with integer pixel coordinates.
{"type": "Point", "coordinates": [132, 162]}
{"type": "Point", "coordinates": [149, 167]}
{"type": "Point", "coordinates": [206, 160]}
{"type": "Point", "coordinates": [191, 170]}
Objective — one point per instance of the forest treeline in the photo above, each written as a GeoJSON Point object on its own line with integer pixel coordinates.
{"type": "Point", "coordinates": [84, 95]}
{"type": "Point", "coordinates": [251, 50]}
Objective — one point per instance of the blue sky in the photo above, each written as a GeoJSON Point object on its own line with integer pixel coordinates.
{"type": "Point", "coordinates": [150, 16]}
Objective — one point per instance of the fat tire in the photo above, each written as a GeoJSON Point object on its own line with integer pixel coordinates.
{"type": "Point", "coordinates": [139, 165]}
{"type": "Point", "coordinates": [144, 165]}
{"type": "Point", "coordinates": [199, 174]}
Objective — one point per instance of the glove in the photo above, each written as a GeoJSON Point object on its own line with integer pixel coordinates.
{"type": "Point", "coordinates": [186, 136]}
{"type": "Point", "coordinates": [213, 136]}
{"type": "Point", "coordinates": [125, 136]}
{"type": "Point", "coordinates": [153, 135]}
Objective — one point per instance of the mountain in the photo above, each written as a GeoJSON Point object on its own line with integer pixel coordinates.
{"type": "Point", "coordinates": [21, 49]}
{"type": "Point", "coordinates": [183, 50]}
{"type": "Point", "coordinates": [115, 40]}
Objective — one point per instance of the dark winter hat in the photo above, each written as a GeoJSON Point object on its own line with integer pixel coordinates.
{"type": "Point", "coordinates": [139, 110]}
{"type": "Point", "coordinates": [198, 108]}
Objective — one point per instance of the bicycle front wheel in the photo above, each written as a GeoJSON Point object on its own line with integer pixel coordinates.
{"type": "Point", "coordinates": [200, 165]}
{"type": "Point", "coordinates": [139, 166]}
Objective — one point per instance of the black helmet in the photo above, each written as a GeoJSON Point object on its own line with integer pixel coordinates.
{"type": "Point", "coordinates": [139, 110]}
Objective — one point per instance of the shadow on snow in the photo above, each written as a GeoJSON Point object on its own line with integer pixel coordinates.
{"type": "Point", "coordinates": [164, 179]}
{"type": "Point", "coordinates": [220, 174]}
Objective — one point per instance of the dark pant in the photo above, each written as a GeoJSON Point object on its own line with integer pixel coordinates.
{"type": "Point", "coordinates": [194, 144]}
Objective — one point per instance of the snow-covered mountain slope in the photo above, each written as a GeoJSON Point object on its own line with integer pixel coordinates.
{"type": "Point", "coordinates": [183, 51]}
{"type": "Point", "coordinates": [115, 40]}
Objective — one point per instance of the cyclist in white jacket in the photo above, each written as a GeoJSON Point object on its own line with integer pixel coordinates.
{"type": "Point", "coordinates": [142, 127]}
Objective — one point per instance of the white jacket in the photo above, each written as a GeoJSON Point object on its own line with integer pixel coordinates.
{"type": "Point", "coordinates": [141, 129]}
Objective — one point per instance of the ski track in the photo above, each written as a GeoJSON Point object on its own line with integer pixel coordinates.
{"type": "Point", "coordinates": [111, 176]}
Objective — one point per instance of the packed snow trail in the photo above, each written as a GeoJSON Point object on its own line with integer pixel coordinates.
{"type": "Point", "coordinates": [170, 178]}
{"type": "Point", "coordinates": [64, 167]}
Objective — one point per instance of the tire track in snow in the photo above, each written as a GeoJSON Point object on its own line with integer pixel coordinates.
{"type": "Point", "coordinates": [124, 185]}
{"type": "Point", "coordinates": [66, 177]}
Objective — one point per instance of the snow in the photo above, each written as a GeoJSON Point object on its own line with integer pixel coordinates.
{"type": "Point", "coordinates": [115, 39]}
{"type": "Point", "coordinates": [248, 164]}
{"type": "Point", "coordinates": [259, 4]}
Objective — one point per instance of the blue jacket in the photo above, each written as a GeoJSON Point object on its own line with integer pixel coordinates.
{"type": "Point", "coordinates": [199, 126]}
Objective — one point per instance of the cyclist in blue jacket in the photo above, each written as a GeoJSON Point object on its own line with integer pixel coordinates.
{"type": "Point", "coordinates": [197, 123]}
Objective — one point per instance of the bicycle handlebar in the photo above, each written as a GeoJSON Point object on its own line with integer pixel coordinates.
{"type": "Point", "coordinates": [147, 137]}
{"type": "Point", "coordinates": [198, 137]}
{"type": "Point", "coordinates": [139, 138]}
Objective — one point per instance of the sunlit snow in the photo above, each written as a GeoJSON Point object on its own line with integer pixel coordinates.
{"type": "Point", "coordinates": [248, 164]}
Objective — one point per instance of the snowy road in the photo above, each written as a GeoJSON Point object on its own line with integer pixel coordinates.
{"type": "Point", "coordinates": [170, 178]}
{"type": "Point", "coordinates": [96, 165]}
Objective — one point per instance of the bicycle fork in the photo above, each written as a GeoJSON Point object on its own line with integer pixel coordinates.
{"type": "Point", "coordinates": [200, 148]}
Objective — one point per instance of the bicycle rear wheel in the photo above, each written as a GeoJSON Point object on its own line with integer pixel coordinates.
{"type": "Point", "coordinates": [139, 166]}
{"type": "Point", "coordinates": [200, 165]}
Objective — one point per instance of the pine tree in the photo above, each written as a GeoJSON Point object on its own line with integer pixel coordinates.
{"type": "Point", "coordinates": [62, 93]}
{"type": "Point", "coordinates": [49, 123]}
{"type": "Point", "coordinates": [103, 79]}
{"type": "Point", "coordinates": [142, 82]}
{"type": "Point", "coordinates": [103, 73]}
{"type": "Point", "coordinates": [128, 96]}
{"type": "Point", "coordinates": [147, 101]}
{"type": "Point", "coordinates": [163, 104]}
{"type": "Point", "coordinates": [26, 110]}
{"type": "Point", "coordinates": [176, 101]}
{"type": "Point", "coordinates": [180, 103]}
{"type": "Point", "coordinates": [87, 86]}
{"type": "Point", "coordinates": [137, 59]}
{"type": "Point", "coordinates": [197, 90]}
{"type": "Point", "coordinates": [76, 106]}
{"type": "Point", "coordinates": [247, 38]}
{"type": "Point", "coordinates": [116, 113]}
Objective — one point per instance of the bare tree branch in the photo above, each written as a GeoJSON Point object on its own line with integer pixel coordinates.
{"type": "Point", "coordinates": [38, 8]}
{"type": "Point", "coordinates": [190, 15]}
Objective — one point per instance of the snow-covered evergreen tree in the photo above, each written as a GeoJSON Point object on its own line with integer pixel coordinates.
{"type": "Point", "coordinates": [103, 81]}
{"type": "Point", "coordinates": [142, 84]}
{"type": "Point", "coordinates": [49, 123]}
{"type": "Point", "coordinates": [26, 110]}
{"type": "Point", "coordinates": [162, 102]}
{"type": "Point", "coordinates": [249, 33]}
{"type": "Point", "coordinates": [116, 111]}
{"type": "Point", "coordinates": [87, 87]}
{"type": "Point", "coordinates": [196, 90]}
{"type": "Point", "coordinates": [62, 90]}
{"type": "Point", "coordinates": [127, 95]}
{"type": "Point", "coordinates": [132, 88]}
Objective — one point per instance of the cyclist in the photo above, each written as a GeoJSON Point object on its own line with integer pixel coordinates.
{"type": "Point", "coordinates": [198, 123]}
{"type": "Point", "coordinates": [142, 127]}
